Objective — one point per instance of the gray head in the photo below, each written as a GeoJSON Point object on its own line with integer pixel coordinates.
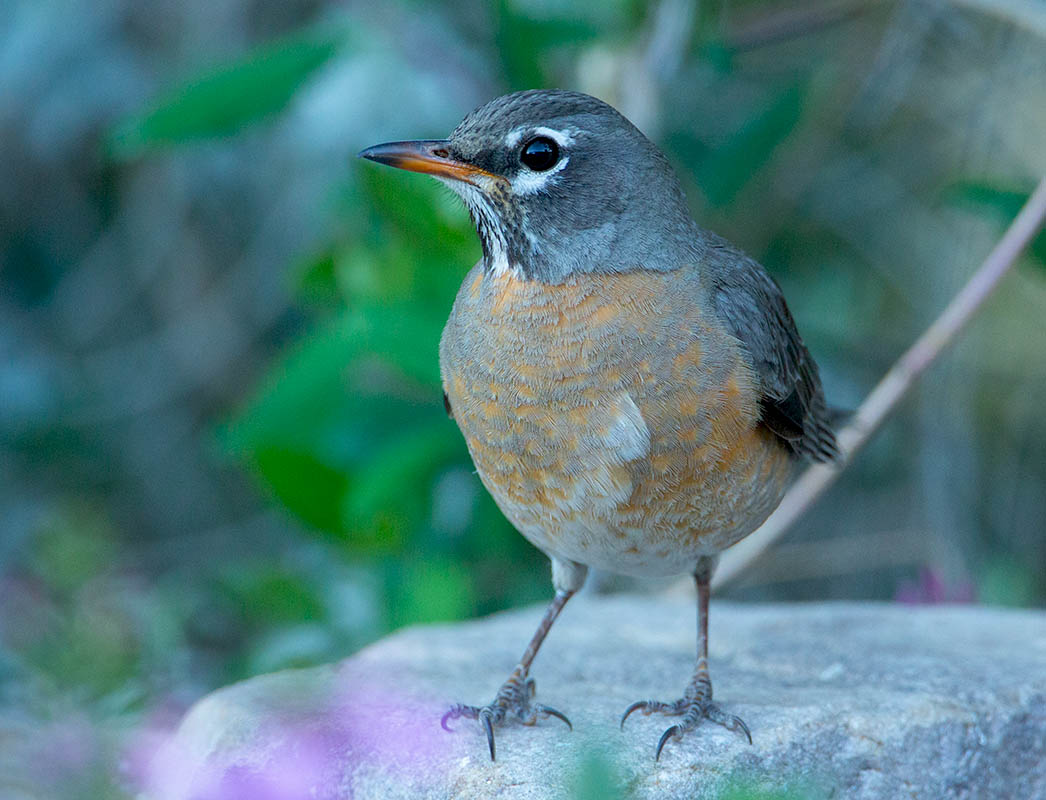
{"type": "Point", "coordinates": [558, 183]}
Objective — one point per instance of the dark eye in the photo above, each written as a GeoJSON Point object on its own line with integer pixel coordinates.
{"type": "Point", "coordinates": [540, 154]}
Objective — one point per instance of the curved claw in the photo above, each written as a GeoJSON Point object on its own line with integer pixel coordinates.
{"type": "Point", "coordinates": [512, 702]}
{"type": "Point", "coordinates": [673, 731]}
{"type": "Point", "coordinates": [456, 712]}
{"type": "Point", "coordinates": [443, 721]}
{"type": "Point", "coordinates": [488, 726]}
{"type": "Point", "coordinates": [634, 707]}
{"type": "Point", "coordinates": [551, 712]}
{"type": "Point", "coordinates": [738, 724]}
{"type": "Point", "coordinates": [728, 721]}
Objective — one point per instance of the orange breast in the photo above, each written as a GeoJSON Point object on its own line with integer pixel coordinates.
{"type": "Point", "coordinates": [613, 419]}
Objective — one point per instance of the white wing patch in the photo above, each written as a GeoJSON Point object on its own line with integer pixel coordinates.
{"type": "Point", "coordinates": [627, 435]}
{"type": "Point", "coordinates": [619, 435]}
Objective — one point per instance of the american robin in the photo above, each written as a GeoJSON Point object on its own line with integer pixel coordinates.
{"type": "Point", "coordinates": [631, 387]}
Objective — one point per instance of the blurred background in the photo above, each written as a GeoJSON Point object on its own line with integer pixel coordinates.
{"type": "Point", "coordinates": [223, 449]}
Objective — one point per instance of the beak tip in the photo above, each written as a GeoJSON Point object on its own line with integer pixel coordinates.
{"type": "Point", "coordinates": [427, 156]}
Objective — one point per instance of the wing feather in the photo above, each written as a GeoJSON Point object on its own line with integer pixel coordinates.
{"type": "Point", "coordinates": [750, 303]}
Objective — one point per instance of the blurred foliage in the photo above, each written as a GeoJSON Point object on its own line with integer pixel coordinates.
{"type": "Point", "coordinates": [1003, 203]}
{"type": "Point", "coordinates": [345, 433]}
{"type": "Point", "coordinates": [223, 101]}
{"type": "Point", "coordinates": [745, 790]}
{"type": "Point", "coordinates": [723, 171]}
{"type": "Point", "coordinates": [349, 432]}
{"type": "Point", "coordinates": [524, 42]}
{"type": "Point", "coordinates": [598, 777]}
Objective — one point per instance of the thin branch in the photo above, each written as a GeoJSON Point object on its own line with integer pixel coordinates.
{"type": "Point", "coordinates": [794, 21]}
{"type": "Point", "coordinates": [800, 19]}
{"type": "Point", "coordinates": [1027, 14]}
{"type": "Point", "coordinates": [838, 555]}
{"type": "Point", "coordinates": [884, 397]}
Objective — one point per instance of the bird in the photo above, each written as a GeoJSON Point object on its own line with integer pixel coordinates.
{"type": "Point", "coordinates": [632, 388]}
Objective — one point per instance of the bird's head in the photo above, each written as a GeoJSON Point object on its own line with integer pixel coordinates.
{"type": "Point", "coordinates": [557, 183]}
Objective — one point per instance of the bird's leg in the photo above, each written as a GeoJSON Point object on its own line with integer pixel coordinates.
{"type": "Point", "coordinates": [514, 696]}
{"type": "Point", "coordinates": [696, 703]}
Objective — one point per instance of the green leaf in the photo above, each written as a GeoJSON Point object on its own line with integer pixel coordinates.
{"type": "Point", "coordinates": [432, 589]}
{"type": "Point", "coordinates": [225, 100]}
{"type": "Point", "coordinates": [308, 488]}
{"type": "Point", "coordinates": [270, 596]}
{"type": "Point", "coordinates": [724, 171]}
{"type": "Point", "coordinates": [1002, 203]}
{"type": "Point", "coordinates": [72, 547]}
{"type": "Point", "coordinates": [406, 335]}
{"type": "Point", "coordinates": [401, 465]}
{"type": "Point", "coordinates": [303, 393]}
{"type": "Point", "coordinates": [524, 42]}
{"type": "Point", "coordinates": [316, 279]}
{"type": "Point", "coordinates": [368, 362]}
{"type": "Point", "coordinates": [598, 777]}
{"type": "Point", "coordinates": [413, 210]}
{"type": "Point", "coordinates": [1007, 581]}
{"type": "Point", "coordinates": [351, 421]}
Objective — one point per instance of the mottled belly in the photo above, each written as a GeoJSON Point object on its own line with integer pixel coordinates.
{"type": "Point", "coordinates": [613, 423]}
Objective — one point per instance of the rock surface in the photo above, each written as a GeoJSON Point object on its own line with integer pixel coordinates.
{"type": "Point", "coordinates": [844, 701]}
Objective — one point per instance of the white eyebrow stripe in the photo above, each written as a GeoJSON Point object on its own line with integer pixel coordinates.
{"type": "Point", "coordinates": [529, 182]}
{"type": "Point", "coordinates": [562, 138]}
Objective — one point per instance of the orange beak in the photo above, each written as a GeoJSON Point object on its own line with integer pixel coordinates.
{"type": "Point", "coordinates": [429, 156]}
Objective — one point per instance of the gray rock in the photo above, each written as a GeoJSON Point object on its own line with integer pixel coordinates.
{"type": "Point", "coordinates": [844, 701]}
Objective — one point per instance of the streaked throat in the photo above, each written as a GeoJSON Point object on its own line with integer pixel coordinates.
{"type": "Point", "coordinates": [489, 226]}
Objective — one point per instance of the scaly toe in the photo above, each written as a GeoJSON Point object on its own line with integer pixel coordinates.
{"type": "Point", "coordinates": [714, 713]}
{"type": "Point", "coordinates": [544, 712]}
{"type": "Point", "coordinates": [647, 707]}
{"type": "Point", "coordinates": [513, 699]}
{"type": "Point", "coordinates": [694, 709]}
{"type": "Point", "coordinates": [457, 712]}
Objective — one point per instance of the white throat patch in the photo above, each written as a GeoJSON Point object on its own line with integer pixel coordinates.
{"type": "Point", "coordinates": [526, 182]}
{"type": "Point", "coordinates": [487, 221]}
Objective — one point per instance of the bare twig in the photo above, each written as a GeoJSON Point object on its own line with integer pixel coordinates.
{"type": "Point", "coordinates": [839, 555]}
{"type": "Point", "coordinates": [641, 73]}
{"type": "Point", "coordinates": [794, 21]}
{"type": "Point", "coordinates": [800, 19]}
{"type": "Point", "coordinates": [896, 383]}
{"type": "Point", "coordinates": [1027, 14]}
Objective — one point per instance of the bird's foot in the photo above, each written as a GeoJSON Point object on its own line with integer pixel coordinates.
{"type": "Point", "coordinates": [696, 705]}
{"type": "Point", "coordinates": [512, 702]}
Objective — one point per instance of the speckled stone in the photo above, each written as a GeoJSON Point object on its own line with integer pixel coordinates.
{"type": "Point", "coordinates": [844, 701]}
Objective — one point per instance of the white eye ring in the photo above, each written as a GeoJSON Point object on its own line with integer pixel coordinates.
{"type": "Point", "coordinates": [527, 181]}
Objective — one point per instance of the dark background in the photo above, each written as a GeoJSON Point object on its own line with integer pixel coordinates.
{"type": "Point", "coordinates": [222, 444]}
